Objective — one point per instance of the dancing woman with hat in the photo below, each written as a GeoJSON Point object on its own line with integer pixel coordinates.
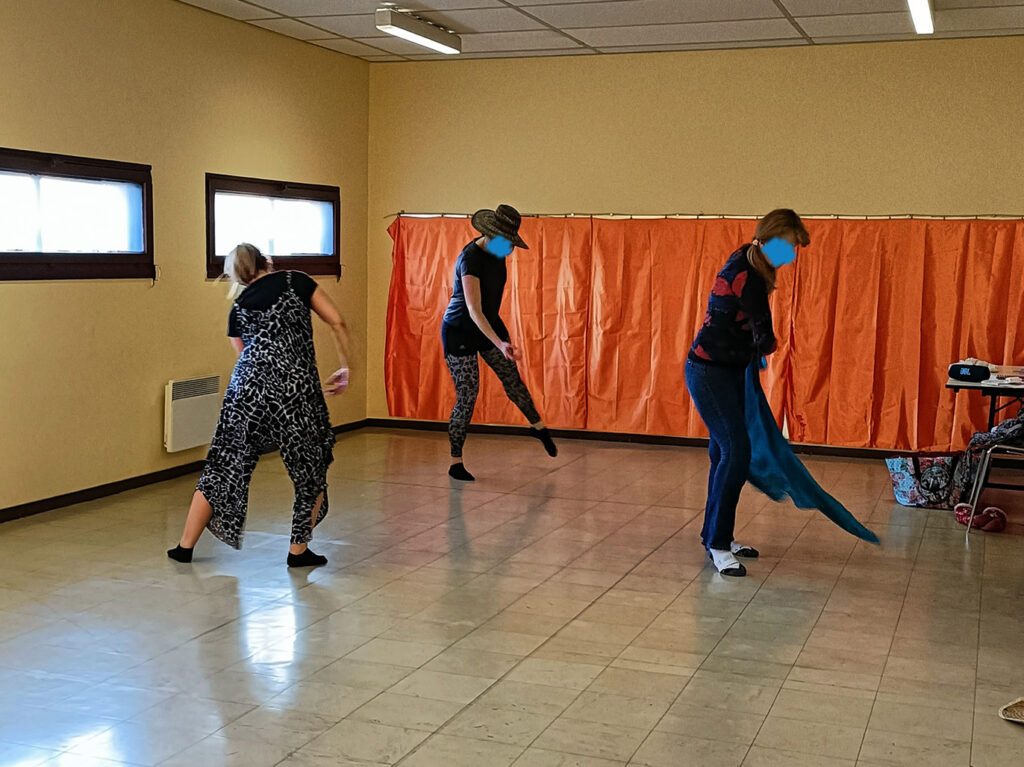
{"type": "Point", "coordinates": [472, 326]}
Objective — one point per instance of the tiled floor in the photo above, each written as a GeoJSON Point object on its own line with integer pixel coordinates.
{"type": "Point", "coordinates": [558, 613]}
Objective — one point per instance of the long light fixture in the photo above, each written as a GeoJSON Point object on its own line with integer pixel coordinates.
{"type": "Point", "coordinates": [921, 13]}
{"type": "Point", "coordinates": [417, 31]}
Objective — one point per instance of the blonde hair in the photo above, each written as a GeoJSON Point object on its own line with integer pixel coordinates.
{"type": "Point", "coordinates": [779, 223]}
{"type": "Point", "coordinates": [244, 262]}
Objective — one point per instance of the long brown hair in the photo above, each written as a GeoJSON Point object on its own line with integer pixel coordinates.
{"type": "Point", "coordinates": [779, 223]}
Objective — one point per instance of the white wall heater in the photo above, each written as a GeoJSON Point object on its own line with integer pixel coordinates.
{"type": "Point", "coordinates": [191, 408]}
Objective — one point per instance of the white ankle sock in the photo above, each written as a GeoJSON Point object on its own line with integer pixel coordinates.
{"type": "Point", "coordinates": [736, 546]}
{"type": "Point", "coordinates": [724, 560]}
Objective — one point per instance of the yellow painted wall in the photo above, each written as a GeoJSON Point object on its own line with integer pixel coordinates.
{"type": "Point", "coordinates": [922, 127]}
{"type": "Point", "coordinates": [83, 364]}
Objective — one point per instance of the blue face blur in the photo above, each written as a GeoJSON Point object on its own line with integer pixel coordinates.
{"type": "Point", "coordinates": [779, 252]}
{"type": "Point", "coordinates": [501, 247]}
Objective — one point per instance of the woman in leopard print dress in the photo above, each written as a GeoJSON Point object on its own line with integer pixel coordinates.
{"type": "Point", "coordinates": [274, 401]}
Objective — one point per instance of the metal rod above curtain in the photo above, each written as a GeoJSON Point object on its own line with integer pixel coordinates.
{"type": "Point", "coordinates": [692, 216]}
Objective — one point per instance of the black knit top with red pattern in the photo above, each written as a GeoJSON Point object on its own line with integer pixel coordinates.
{"type": "Point", "coordinates": [738, 326]}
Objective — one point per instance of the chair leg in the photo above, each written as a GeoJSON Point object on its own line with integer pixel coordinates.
{"type": "Point", "coordinates": [979, 484]}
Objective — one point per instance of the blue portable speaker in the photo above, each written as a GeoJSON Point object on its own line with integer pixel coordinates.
{"type": "Point", "coordinates": [969, 373]}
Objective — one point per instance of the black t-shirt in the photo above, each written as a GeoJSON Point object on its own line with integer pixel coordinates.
{"type": "Point", "coordinates": [460, 334]}
{"type": "Point", "coordinates": [263, 293]}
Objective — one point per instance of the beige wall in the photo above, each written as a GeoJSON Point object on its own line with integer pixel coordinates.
{"type": "Point", "coordinates": [922, 127]}
{"type": "Point", "coordinates": [83, 364]}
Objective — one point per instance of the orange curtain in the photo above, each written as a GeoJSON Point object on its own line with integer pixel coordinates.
{"type": "Point", "coordinates": [651, 280]}
{"type": "Point", "coordinates": [880, 310]}
{"type": "Point", "coordinates": [546, 306]}
{"type": "Point", "coordinates": [414, 371]}
{"type": "Point", "coordinates": [605, 311]}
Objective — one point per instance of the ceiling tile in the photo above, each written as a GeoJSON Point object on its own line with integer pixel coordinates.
{"type": "Point", "coordinates": [342, 7]}
{"type": "Point", "coordinates": [844, 8]}
{"type": "Point", "coordinates": [982, 33]}
{"type": "Point", "coordinates": [514, 41]}
{"type": "Point", "coordinates": [707, 46]}
{"type": "Point", "coordinates": [674, 34]}
{"type": "Point", "coordinates": [351, 47]}
{"type": "Point", "coordinates": [508, 54]}
{"type": "Point", "coordinates": [635, 13]}
{"type": "Point", "coordinates": [447, 5]}
{"type": "Point", "coordinates": [495, 28]}
{"type": "Point", "coordinates": [555, 52]}
{"type": "Point", "coordinates": [361, 25]}
{"type": "Point", "coordinates": [979, 18]}
{"type": "Point", "coordinates": [235, 9]}
{"type": "Point", "coordinates": [293, 28]}
{"type": "Point", "coordinates": [867, 38]}
{"type": "Point", "coordinates": [486, 20]}
{"type": "Point", "coordinates": [945, 5]}
{"type": "Point", "coordinates": [857, 25]}
{"type": "Point", "coordinates": [533, 3]}
{"type": "Point", "coordinates": [308, 7]}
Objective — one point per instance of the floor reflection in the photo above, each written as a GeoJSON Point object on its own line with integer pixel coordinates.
{"type": "Point", "coordinates": [553, 612]}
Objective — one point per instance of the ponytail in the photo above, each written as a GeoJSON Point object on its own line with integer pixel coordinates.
{"type": "Point", "coordinates": [762, 266]}
{"type": "Point", "coordinates": [244, 262]}
{"type": "Point", "coordinates": [779, 223]}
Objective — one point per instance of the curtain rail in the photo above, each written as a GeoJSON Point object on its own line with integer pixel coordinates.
{"type": "Point", "coordinates": [701, 216]}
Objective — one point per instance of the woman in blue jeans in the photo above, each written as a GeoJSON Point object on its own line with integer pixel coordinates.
{"type": "Point", "coordinates": [736, 331]}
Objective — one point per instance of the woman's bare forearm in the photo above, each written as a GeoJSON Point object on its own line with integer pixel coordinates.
{"type": "Point", "coordinates": [485, 327]}
{"type": "Point", "coordinates": [339, 332]}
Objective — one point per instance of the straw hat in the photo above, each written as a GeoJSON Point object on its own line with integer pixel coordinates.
{"type": "Point", "coordinates": [1013, 712]}
{"type": "Point", "coordinates": [502, 222]}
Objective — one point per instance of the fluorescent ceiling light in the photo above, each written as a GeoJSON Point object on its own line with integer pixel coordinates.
{"type": "Point", "coordinates": [921, 13]}
{"type": "Point", "coordinates": [417, 31]}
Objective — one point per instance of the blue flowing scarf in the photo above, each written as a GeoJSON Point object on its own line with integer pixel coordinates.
{"type": "Point", "coordinates": [777, 472]}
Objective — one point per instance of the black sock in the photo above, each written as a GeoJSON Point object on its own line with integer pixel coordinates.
{"type": "Point", "coordinates": [306, 559]}
{"type": "Point", "coordinates": [545, 436]}
{"type": "Point", "coordinates": [180, 554]}
{"type": "Point", "coordinates": [458, 471]}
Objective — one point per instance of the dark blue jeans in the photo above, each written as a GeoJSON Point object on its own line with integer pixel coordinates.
{"type": "Point", "coordinates": [719, 394]}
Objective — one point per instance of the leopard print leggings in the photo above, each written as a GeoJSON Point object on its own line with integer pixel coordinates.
{"type": "Point", "coordinates": [465, 372]}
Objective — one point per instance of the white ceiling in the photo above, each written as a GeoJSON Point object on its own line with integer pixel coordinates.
{"type": "Point", "coordinates": [521, 28]}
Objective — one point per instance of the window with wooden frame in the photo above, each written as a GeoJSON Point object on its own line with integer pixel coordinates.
{"type": "Point", "coordinates": [65, 217]}
{"type": "Point", "coordinates": [294, 224]}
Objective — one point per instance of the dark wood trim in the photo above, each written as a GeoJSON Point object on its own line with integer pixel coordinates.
{"type": "Point", "coordinates": [1003, 486]}
{"type": "Point", "coordinates": [353, 426]}
{"type": "Point", "coordinates": [82, 266]}
{"type": "Point", "coordinates": [46, 164]}
{"type": "Point", "coordinates": [112, 488]}
{"type": "Point", "coordinates": [869, 453]}
{"type": "Point", "coordinates": [639, 439]}
{"type": "Point", "coordinates": [312, 263]}
{"type": "Point", "coordinates": [100, 491]}
{"type": "Point", "coordinates": [214, 265]}
{"type": "Point", "coordinates": [265, 187]}
{"type": "Point", "coordinates": [65, 266]}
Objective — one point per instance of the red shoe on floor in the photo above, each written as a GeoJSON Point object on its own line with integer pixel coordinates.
{"type": "Point", "coordinates": [991, 520]}
{"type": "Point", "coordinates": [995, 520]}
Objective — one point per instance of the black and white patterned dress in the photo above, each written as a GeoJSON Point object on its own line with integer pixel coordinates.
{"type": "Point", "coordinates": [274, 400]}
